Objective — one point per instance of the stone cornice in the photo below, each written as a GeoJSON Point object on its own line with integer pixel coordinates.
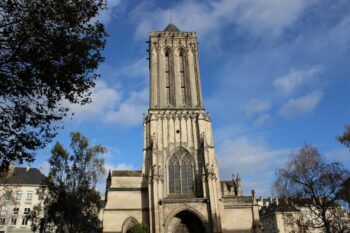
{"type": "Point", "coordinates": [127, 209]}
{"type": "Point", "coordinates": [184, 200]}
{"type": "Point", "coordinates": [128, 189]}
{"type": "Point", "coordinates": [167, 114]}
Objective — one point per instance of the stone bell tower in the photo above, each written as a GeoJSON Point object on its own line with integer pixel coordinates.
{"type": "Point", "coordinates": [178, 189]}
{"type": "Point", "coordinates": [179, 156]}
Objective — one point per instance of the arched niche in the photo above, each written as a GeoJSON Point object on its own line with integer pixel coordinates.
{"type": "Point", "coordinates": [128, 223]}
{"type": "Point", "coordinates": [186, 220]}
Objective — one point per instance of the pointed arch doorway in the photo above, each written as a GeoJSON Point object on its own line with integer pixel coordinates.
{"type": "Point", "coordinates": [185, 222]}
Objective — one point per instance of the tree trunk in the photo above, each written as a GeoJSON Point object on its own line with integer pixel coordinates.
{"type": "Point", "coordinates": [326, 223]}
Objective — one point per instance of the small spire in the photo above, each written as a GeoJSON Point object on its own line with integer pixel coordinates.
{"type": "Point", "coordinates": [171, 16]}
{"type": "Point", "coordinates": [238, 177]}
{"type": "Point", "coordinates": [171, 28]}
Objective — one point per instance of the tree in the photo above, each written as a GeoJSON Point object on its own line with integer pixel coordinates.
{"type": "Point", "coordinates": [345, 138]}
{"type": "Point", "coordinates": [311, 182]}
{"type": "Point", "coordinates": [49, 52]}
{"type": "Point", "coordinates": [70, 202]}
{"type": "Point", "coordinates": [138, 228]}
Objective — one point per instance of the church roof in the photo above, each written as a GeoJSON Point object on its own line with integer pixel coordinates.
{"type": "Point", "coordinates": [171, 28]}
{"type": "Point", "coordinates": [127, 173]}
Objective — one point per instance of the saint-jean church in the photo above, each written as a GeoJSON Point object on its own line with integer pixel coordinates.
{"type": "Point", "coordinates": [178, 189]}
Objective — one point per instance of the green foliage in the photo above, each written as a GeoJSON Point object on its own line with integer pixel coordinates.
{"type": "Point", "coordinates": [70, 201]}
{"type": "Point", "coordinates": [310, 181]}
{"type": "Point", "coordinates": [345, 138]}
{"type": "Point", "coordinates": [139, 228]}
{"type": "Point", "coordinates": [49, 52]}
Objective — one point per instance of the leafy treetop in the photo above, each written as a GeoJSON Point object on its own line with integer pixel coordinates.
{"type": "Point", "coordinates": [70, 201]}
{"type": "Point", "coordinates": [49, 52]}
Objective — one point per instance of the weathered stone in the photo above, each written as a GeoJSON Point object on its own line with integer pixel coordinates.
{"type": "Point", "coordinates": [179, 186]}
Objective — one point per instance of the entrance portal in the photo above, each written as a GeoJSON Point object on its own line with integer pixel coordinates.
{"type": "Point", "coordinates": [187, 223]}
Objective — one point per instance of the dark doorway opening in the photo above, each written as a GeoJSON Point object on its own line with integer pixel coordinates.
{"type": "Point", "coordinates": [189, 223]}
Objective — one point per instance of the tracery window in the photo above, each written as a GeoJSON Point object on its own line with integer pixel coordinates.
{"type": "Point", "coordinates": [180, 172]}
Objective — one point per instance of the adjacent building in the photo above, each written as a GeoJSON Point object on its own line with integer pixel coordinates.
{"type": "Point", "coordinates": [18, 196]}
{"type": "Point", "coordinates": [179, 188]}
{"type": "Point", "coordinates": [282, 216]}
{"type": "Point", "coordinates": [279, 217]}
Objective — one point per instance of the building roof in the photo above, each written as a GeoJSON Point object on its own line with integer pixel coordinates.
{"type": "Point", "coordinates": [278, 207]}
{"type": "Point", "coordinates": [127, 173]}
{"type": "Point", "coordinates": [171, 28]}
{"type": "Point", "coordinates": [229, 185]}
{"type": "Point", "coordinates": [23, 176]}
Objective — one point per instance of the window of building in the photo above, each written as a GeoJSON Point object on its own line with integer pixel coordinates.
{"type": "Point", "coordinates": [180, 172]}
{"type": "Point", "coordinates": [26, 210]}
{"type": "Point", "coordinates": [2, 221]}
{"type": "Point", "coordinates": [29, 196]}
{"type": "Point", "coordinates": [24, 221]}
{"type": "Point", "coordinates": [15, 210]}
{"type": "Point", "coordinates": [18, 195]}
{"type": "Point", "coordinates": [3, 210]}
{"type": "Point", "coordinates": [13, 221]}
{"type": "Point", "coordinates": [182, 77]}
{"type": "Point", "coordinates": [6, 196]}
{"type": "Point", "coordinates": [167, 77]}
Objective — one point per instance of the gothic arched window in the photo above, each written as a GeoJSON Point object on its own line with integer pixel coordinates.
{"type": "Point", "coordinates": [167, 77]}
{"type": "Point", "coordinates": [180, 172]}
{"type": "Point", "coordinates": [182, 77]}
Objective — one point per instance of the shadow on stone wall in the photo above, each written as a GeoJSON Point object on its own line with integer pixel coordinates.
{"type": "Point", "coordinates": [145, 201]}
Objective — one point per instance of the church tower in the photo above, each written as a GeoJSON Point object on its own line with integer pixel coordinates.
{"type": "Point", "coordinates": [178, 146]}
{"type": "Point", "coordinates": [178, 189]}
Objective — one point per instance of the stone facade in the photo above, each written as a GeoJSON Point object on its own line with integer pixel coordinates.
{"type": "Point", "coordinates": [282, 216]}
{"type": "Point", "coordinates": [178, 188]}
{"type": "Point", "coordinates": [279, 217]}
{"type": "Point", "coordinates": [18, 196]}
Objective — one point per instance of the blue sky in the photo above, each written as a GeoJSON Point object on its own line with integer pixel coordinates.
{"type": "Point", "coordinates": [275, 75]}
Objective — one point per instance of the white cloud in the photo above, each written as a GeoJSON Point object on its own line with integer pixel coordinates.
{"type": "Point", "coordinates": [302, 105]}
{"type": "Point", "coordinates": [107, 106]}
{"type": "Point", "coordinates": [103, 98]}
{"type": "Point", "coordinates": [137, 68]}
{"type": "Point", "coordinates": [124, 166]}
{"type": "Point", "coordinates": [257, 107]}
{"type": "Point", "coordinates": [111, 152]}
{"type": "Point", "coordinates": [270, 17]}
{"type": "Point", "coordinates": [106, 15]}
{"type": "Point", "coordinates": [130, 112]}
{"type": "Point", "coordinates": [44, 167]}
{"type": "Point", "coordinates": [253, 160]}
{"type": "Point", "coordinates": [111, 105]}
{"type": "Point", "coordinates": [288, 83]}
{"type": "Point", "coordinates": [339, 155]}
{"type": "Point", "coordinates": [340, 35]}
{"type": "Point", "coordinates": [263, 120]}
